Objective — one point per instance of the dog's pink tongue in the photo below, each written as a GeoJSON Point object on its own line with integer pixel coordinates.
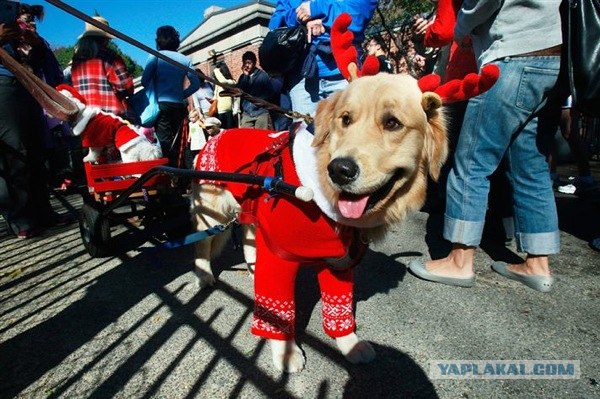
{"type": "Point", "coordinates": [352, 207]}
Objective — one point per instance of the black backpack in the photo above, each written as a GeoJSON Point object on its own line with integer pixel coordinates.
{"type": "Point", "coordinates": [283, 49]}
{"type": "Point", "coordinates": [581, 30]}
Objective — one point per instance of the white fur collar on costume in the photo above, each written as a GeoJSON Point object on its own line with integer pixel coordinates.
{"type": "Point", "coordinates": [85, 116]}
{"type": "Point", "coordinates": [305, 161]}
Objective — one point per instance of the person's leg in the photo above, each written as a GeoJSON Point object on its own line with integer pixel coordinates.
{"type": "Point", "coordinates": [246, 121]}
{"type": "Point", "coordinates": [15, 172]}
{"type": "Point", "coordinates": [570, 127]}
{"type": "Point", "coordinates": [436, 191]}
{"type": "Point", "coordinates": [263, 121]}
{"type": "Point", "coordinates": [306, 94]}
{"type": "Point", "coordinates": [36, 154]}
{"type": "Point", "coordinates": [304, 97]}
{"type": "Point", "coordinates": [166, 129]}
{"type": "Point", "coordinates": [500, 207]}
{"type": "Point", "coordinates": [227, 121]}
{"type": "Point", "coordinates": [577, 145]}
{"type": "Point", "coordinates": [536, 219]}
{"type": "Point", "coordinates": [481, 147]}
{"type": "Point", "coordinates": [13, 189]}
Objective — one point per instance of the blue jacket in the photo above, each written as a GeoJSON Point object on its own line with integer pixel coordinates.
{"type": "Point", "coordinates": [168, 79]}
{"type": "Point", "coordinates": [361, 12]}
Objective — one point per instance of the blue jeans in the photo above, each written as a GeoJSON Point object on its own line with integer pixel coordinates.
{"type": "Point", "coordinates": [308, 92]}
{"type": "Point", "coordinates": [514, 120]}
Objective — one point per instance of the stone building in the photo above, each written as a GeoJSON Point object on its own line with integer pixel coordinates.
{"type": "Point", "coordinates": [225, 34]}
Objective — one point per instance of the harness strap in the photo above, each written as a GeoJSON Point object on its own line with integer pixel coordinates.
{"type": "Point", "coordinates": [350, 259]}
{"type": "Point", "coordinates": [197, 236]}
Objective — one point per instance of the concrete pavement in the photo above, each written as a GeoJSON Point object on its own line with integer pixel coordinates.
{"type": "Point", "coordinates": [128, 326]}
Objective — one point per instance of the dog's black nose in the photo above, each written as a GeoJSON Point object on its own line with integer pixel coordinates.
{"type": "Point", "coordinates": [343, 170]}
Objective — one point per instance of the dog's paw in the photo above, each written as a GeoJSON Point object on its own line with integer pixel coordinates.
{"type": "Point", "coordinates": [250, 268]}
{"type": "Point", "coordinates": [354, 350]}
{"type": "Point", "coordinates": [287, 356]}
{"type": "Point", "coordinates": [203, 279]}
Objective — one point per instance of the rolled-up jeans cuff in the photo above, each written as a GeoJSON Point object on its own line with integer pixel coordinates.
{"type": "Point", "coordinates": [463, 231]}
{"type": "Point", "coordinates": [539, 243]}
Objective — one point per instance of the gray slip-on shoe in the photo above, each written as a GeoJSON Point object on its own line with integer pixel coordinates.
{"type": "Point", "coordinates": [417, 267]}
{"type": "Point", "coordinates": [538, 283]}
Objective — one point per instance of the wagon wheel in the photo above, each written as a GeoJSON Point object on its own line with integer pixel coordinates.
{"type": "Point", "coordinates": [95, 231]}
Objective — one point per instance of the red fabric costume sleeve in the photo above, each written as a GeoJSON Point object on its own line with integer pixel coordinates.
{"type": "Point", "coordinates": [441, 31]}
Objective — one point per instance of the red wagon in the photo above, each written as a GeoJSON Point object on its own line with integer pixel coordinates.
{"type": "Point", "coordinates": [144, 188]}
{"type": "Point", "coordinates": [112, 188]}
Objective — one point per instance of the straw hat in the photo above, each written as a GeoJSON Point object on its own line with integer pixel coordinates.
{"type": "Point", "coordinates": [91, 30]}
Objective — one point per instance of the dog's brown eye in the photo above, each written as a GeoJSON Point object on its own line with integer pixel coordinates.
{"type": "Point", "coordinates": [346, 120]}
{"type": "Point", "coordinates": [392, 124]}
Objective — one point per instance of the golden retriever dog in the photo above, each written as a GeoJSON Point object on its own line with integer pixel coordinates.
{"type": "Point", "coordinates": [375, 142]}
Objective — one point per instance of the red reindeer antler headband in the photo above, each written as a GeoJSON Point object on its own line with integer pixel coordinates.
{"type": "Point", "coordinates": [455, 90]}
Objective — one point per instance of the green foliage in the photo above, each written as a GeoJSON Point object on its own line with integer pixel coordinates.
{"type": "Point", "coordinates": [396, 13]}
{"type": "Point", "coordinates": [393, 21]}
{"type": "Point", "coordinates": [65, 54]}
{"type": "Point", "coordinates": [413, 7]}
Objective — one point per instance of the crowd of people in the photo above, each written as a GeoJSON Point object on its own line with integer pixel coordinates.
{"type": "Point", "coordinates": [456, 38]}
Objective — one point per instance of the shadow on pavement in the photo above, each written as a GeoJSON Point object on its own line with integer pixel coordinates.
{"type": "Point", "coordinates": [28, 356]}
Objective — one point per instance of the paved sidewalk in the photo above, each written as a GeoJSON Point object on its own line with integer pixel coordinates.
{"type": "Point", "coordinates": [128, 326]}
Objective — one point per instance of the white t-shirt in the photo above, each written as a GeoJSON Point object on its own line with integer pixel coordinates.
{"type": "Point", "coordinates": [203, 96]}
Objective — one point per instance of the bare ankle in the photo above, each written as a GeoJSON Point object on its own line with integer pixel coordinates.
{"type": "Point", "coordinates": [537, 264]}
{"type": "Point", "coordinates": [458, 263]}
{"type": "Point", "coordinates": [462, 255]}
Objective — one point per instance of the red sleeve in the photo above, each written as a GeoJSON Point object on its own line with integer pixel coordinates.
{"type": "Point", "coordinates": [441, 31]}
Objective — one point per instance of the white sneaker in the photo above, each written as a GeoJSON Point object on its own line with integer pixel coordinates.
{"type": "Point", "coordinates": [579, 184]}
{"type": "Point", "coordinates": [567, 189]}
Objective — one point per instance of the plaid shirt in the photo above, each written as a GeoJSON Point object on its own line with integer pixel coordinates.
{"type": "Point", "coordinates": [104, 82]}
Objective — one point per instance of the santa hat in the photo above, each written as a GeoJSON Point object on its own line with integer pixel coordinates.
{"type": "Point", "coordinates": [71, 93]}
{"type": "Point", "coordinates": [85, 114]}
{"type": "Point", "coordinates": [127, 137]}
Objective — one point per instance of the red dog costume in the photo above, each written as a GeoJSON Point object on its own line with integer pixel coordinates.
{"type": "Point", "coordinates": [289, 232]}
{"type": "Point", "coordinates": [100, 130]}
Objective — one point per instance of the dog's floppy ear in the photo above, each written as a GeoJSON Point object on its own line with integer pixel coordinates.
{"type": "Point", "coordinates": [324, 118]}
{"type": "Point", "coordinates": [430, 103]}
{"type": "Point", "coordinates": [436, 142]}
